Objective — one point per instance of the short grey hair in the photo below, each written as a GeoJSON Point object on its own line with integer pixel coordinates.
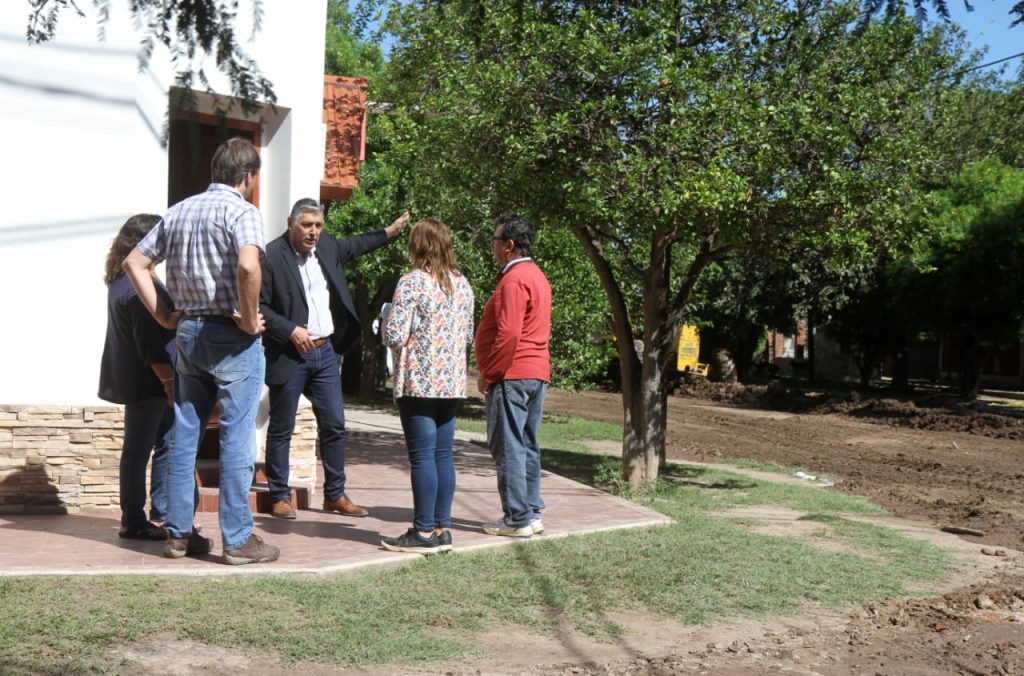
{"type": "Point", "coordinates": [306, 205]}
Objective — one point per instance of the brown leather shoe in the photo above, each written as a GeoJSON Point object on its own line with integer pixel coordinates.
{"type": "Point", "coordinates": [344, 506]}
{"type": "Point", "coordinates": [282, 509]}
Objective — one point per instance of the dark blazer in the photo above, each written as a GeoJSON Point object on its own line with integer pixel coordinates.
{"type": "Point", "coordinates": [283, 299]}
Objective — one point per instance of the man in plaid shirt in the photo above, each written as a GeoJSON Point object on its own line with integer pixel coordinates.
{"type": "Point", "coordinates": [220, 354]}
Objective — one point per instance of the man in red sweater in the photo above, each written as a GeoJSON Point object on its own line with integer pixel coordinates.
{"type": "Point", "coordinates": [515, 368]}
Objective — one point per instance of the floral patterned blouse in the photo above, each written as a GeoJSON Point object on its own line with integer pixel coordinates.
{"type": "Point", "coordinates": [427, 332]}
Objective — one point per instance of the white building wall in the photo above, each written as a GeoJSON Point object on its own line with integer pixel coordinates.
{"type": "Point", "coordinates": [81, 133]}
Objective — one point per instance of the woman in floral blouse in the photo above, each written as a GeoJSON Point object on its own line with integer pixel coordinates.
{"type": "Point", "coordinates": [427, 329]}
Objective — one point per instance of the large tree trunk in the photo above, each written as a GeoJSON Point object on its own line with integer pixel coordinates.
{"type": "Point", "coordinates": [865, 367]}
{"type": "Point", "coordinates": [866, 358]}
{"type": "Point", "coordinates": [971, 355]}
{"type": "Point", "coordinates": [643, 441]}
{"type": "Point", "coordinates": [811, 371]}
{"type": "Point", "coordinates": [644, 404]}
{"type": "Point", "coordinates": [644, 375]}
{"type": "Point", "coordinates": [644, 396]}
{"type": "Point", "coordinates": [746, 346]}
{"type": "Point", "coordinates": [901, 370]}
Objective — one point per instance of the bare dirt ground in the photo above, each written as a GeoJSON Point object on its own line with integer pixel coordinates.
{"type": "Point", "coordinates": [928, 459]}
{"type": "Point", "coordinates": [935, 460]}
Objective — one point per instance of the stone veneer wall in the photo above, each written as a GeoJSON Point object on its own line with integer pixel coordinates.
{"type": "Point", "coordinates": [61, 459]}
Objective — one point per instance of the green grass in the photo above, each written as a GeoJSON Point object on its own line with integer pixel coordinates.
{"type": "Point", "coordinates": [557, 431]}
{"type": "Point", "coordinates": [702, 568]}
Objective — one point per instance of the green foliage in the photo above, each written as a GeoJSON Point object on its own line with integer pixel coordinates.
{"type": "Point", "coordinates": [373, 205]}
{"type": "Point", "coordinates": [380, 197]}
{"type": "Point", "coordinates": [878, 318]}
{"type": "Point", "coordinates": [737, 298]}
{"type": "Point", "coordinates": [874, 301]}
{"type": "Point", "coordinates": [608, 474]}
{"type": "Point", "coordinates": [581, 346]}
{"type": "Point", "coordinates": [392, 180]}
{"type": "Point", "coordinates": [545, 103]}
{"type": "Point", "coordinates": [896, 296]}
{"type": "Point", "coordinates": [372, 277]}
{"type": "Point", "coordinates": [345, 53]}
{"type": "Point", "coordinates": [964, 278]}
{"type": "Point", "coordinates": [974, 266]}
{"type": "Point", "coordinates": [984, 119]}
{"type": "Point", "coordinates": [665, 138]}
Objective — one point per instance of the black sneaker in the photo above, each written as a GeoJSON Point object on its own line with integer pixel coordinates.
{"type": "Point", "coordinates": [444, 541]}
{"type": "Point", "coordinates": [412, 541]}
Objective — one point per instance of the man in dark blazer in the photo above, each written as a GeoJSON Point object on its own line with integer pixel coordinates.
{"type": "Point", "coordinates": [310, 317]}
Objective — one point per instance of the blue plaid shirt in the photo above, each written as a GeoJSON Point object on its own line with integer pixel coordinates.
{"type": "Point", "coordinates": [200, 238]}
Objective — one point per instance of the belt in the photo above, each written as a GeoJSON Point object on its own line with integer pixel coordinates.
{"type": "Point", "coordinates": [213, 317]}
{"type": "Point", "coordinates": [320, 342]}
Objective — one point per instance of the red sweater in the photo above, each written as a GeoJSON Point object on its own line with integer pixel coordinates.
{"type": "Point", "coordinates": [512, 338]}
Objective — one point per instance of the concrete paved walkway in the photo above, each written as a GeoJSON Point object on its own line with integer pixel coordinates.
{"type": "Point", "coordinates": [319, 543]}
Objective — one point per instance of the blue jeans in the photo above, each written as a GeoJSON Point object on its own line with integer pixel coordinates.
{"type": "Point", "coordinates": [217, 362]}
{"type": "Point", "coordinates": [148, 426]}
{"type": "Point", "coordinates": [429, 426]}
{"type": "Point", "coordinates": [319, 378]}
{"type": "Point", "coordinates": [514, 409]}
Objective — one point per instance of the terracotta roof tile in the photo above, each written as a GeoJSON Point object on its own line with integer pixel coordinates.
{"type": "Point", "coordinates": [345, 117]}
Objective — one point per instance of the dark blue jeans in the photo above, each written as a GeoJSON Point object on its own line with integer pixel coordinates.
{"type": "Point", "coordinates": [514, 409]}
{"type": "Point", "coordinates": [429, 426]}
{"type": "Point", "coordinates": [319, 378]}
{"type": "Point", "coordinates": [148, 427]}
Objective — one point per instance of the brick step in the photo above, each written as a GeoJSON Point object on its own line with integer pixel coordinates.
{"type": "Point", "coordinates": [259, 499]}
{"type": "Point", "coordinates": [209, 500]}
{"type": "Point", "coordinates": [299, 499]}
{"type": "Point", "coordinates": [208, 479]}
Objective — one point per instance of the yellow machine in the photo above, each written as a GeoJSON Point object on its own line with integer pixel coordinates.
{"type": "Point", "coordinates": [688, 352]}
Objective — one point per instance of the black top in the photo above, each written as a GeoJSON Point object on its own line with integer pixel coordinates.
{"type": "Point", "coordinates": [283, 298]}
{"type": "Point", "coordinates": [134, 341]}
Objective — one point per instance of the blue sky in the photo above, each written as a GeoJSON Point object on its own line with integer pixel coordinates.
{"type": "Point", "coordinates": [989, 25]}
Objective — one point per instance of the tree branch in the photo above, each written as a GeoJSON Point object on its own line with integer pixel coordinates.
{"type": "Point", "coordinates": [620, 313]}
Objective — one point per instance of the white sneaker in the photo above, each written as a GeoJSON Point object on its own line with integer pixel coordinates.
{"type": "Point", "coordinates": [499, 527]}
{"type": "Point", "coordinates": [537, 525]}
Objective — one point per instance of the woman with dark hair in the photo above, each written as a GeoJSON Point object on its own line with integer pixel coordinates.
{"type": "Point", "coordinates": [427, 329]}
{"type": "Point", "coordinates": [137, 371]}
